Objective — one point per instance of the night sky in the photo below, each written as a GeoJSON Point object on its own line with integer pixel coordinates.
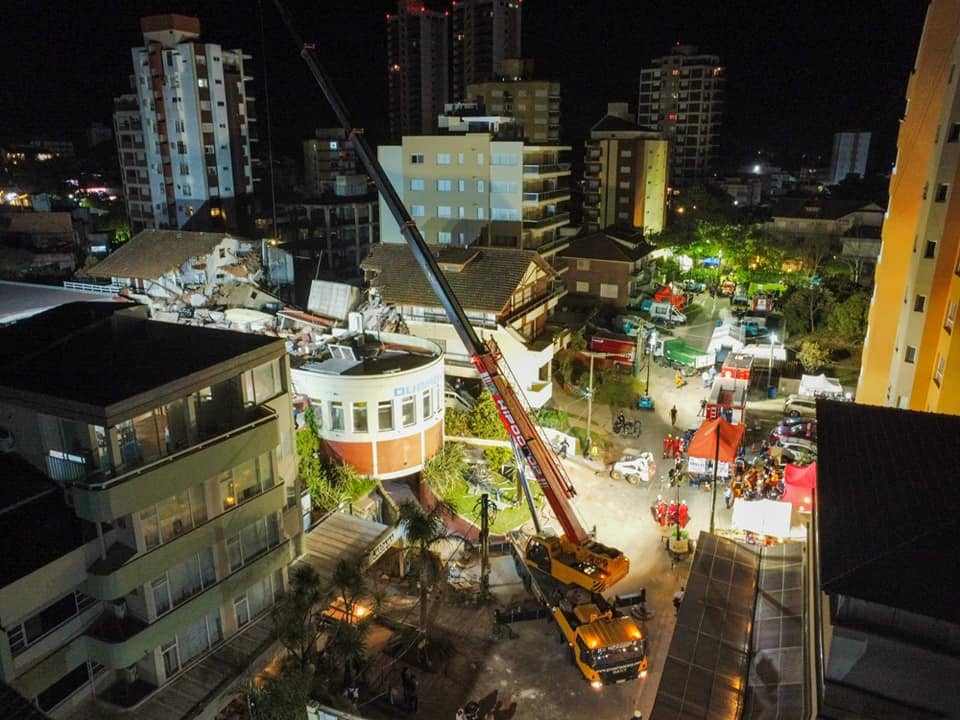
{"type": "Point", "coordinates": [798, 70]}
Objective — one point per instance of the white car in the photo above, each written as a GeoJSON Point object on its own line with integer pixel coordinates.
{"type": "Point", "coordinates": [634, 468]}
{"type": "Point", "coordinates": [796, 406]}
{"type": "Point", "coordinates": [797, 451]}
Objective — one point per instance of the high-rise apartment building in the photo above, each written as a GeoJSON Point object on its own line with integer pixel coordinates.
{"type": "Point", "coordinates": [682, 95]}
{"type": "Point", "coordinates": [417, 68]}
{"type": "Point", "coordinates": [849, 157]}
{"type": "Point", "coordinates": [478, 183]}
{"type": "Point", "coordinates": [625, 174]}
{"type": "Point", "coordinates": [329, 154]}
{"type": "Point", "coordinates": [184, 135]}
{"type": "Point", "coordinates": [908, 357]}
{"type": "Point", "coordinates": [149, 513]}
{"type": "Point", "coordinates": [533, 104]}
{"type": "Point", "coordinates": [484, 33]}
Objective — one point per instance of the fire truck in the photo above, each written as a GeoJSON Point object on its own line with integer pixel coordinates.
{"type": "Point", "coordinates": [606, 646]}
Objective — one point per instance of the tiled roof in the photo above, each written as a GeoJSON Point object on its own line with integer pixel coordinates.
{"type": "Point", "coordinates": [609, 245]}
{"type": "Point", "coordinates": [816, 208]}
{"type": "Point", "coordinates": [38, 223]}
{"type": "Point", "coordinates": [486, 279]}
{"type": "Point", "coordinates": [151, 253]}
{"type": "Point", "coordinates": [889, 506]}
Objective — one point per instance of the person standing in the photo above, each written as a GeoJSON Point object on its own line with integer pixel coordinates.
{"type": "Point", "coordinates": [677, 600]}
{"type": "Point", "coordinates": [728, 497]}
{"type": "Point", "coordinates": [667, 445]}
{"type": "Point", "coordinates": [564, 446]}
{"type": "Point", "coordinates": [673, 416]}
{"type": "Point", "coordinates": [703, 408]}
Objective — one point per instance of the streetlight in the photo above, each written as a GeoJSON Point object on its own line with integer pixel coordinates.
{"type": "Point", "coordinates": [773, 341]}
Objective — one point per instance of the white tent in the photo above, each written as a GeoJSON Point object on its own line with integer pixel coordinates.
{"type": "Point", "coordinates": [763, 517]}
{"type": "Point", "coordinates": [821, 386]}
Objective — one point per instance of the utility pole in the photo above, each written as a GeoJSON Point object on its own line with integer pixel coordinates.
{"type": "Point", "coordinates": [590, 397]}
{"type": "Point", "coordinates": [773, 341]}
{"type": "Point", "coordinates": [484, 546]}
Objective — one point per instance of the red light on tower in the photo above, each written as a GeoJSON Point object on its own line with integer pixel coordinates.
{"type": "Point", "coordinates": [672, 116]}
{"type": "Point", "coordinates": [422, 9]}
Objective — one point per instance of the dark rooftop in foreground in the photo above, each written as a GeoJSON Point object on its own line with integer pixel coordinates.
{"type": "Point", "coordinates": [76, 353]}
{"type": "Point", "coordinates": [889, 506]}
{"type": "Point", "coordinates": [34, 514]}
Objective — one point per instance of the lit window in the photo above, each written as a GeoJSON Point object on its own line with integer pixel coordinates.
{"type": "Point", "coordinates": [583, 287]}
{"type": "Point", "coordinates": [444, 185]}
{"type": "Point", "coordinates": [444, 238]}
{"type": "Point", "coordinates": [417, 210]}
{"type": "Point", "coordinates": [583, 264]}
{"type": "Point", "coordinates": [444, 211]}
{"type": "Point", "coordinates": [416, 184]}
{"type": "Point", "coordinates": [443, 158]}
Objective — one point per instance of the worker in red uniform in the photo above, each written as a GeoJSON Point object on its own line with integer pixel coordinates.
{"type": "Point", "coordinates": [673, 512]}
{"type": "Point", "coordinates": [677, 447]}
{"type": "Point", "coordinates": [667, 445]}
{"type": "Point", "coordinates": [683, 514]}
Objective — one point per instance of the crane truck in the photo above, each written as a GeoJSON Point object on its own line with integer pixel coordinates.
{"type": "Point", "coordinates": [573, 560]}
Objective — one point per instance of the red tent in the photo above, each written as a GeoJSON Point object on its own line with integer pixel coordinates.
{"type": "Point", "coordinates": [704, 448]}
{"type": "Point", "coordinates": [798, 483]}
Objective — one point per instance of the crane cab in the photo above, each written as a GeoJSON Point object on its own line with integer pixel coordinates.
{"type": "Point", "coordinates": [592, 566]}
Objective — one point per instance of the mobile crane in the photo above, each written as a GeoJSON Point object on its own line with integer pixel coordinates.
{"type": "Point", "coordinates": [607, 646]}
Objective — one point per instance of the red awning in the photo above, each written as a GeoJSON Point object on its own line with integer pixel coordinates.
{"type": "Point", "coordinates": [704, 442]}
{"type": "Point", "coordinates": [798, 483]}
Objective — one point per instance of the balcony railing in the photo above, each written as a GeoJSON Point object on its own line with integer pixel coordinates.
{"type": "Point", "coordinates": [542, 222]}
{"type": "Point", "coordinates": [546, 168]}
{"type": "Point", "coordinates": [546, 195]}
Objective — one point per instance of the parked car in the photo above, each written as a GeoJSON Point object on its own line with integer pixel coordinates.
{"type": "Point", "coordinates": [805, 429]}
{"type": "Point", "coordinates": [796, 406]}
{"type": "Point", "coordinates": [797, 451]}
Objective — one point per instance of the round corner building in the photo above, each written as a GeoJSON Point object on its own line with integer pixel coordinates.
{"type": "Point", "coordinates": [377, 399]}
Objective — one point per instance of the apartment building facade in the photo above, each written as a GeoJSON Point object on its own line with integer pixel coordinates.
{"type": "Point", "coordinates": [329, 154]}
{"type": "Point", "coordinates": [484, 33]}
{"type": "Point", "coordinates": [473, 187]}
{"type": "Point", "coordinates": [418, 76]}
{"type": "Point", "coordinates": [908, 357]}
{"type": "Point", "coordinates": [626, 173]}
{"type": "Point", "coordinates": [682, 95]}
{"type": "Point", "coordinates": [533, 104]}
{"type": "Point", "coordinates": [184, 134]}
{"type": "Point", "coordinates": [165, 454]}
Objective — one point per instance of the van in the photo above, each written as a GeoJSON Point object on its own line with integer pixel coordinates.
{"type": "Point", "coordinates": [797, 406]}
{"type": "Point", "coordinates": [666, 313]}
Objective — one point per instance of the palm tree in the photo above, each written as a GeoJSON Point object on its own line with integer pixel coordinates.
{"type": "Point", "coordinates": [351, 584]}
{"type": "Point", "coordinates": [298, 617]}
{"type": "Point", "coordinates": [423, 531]}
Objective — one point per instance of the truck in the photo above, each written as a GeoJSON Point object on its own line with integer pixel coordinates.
{"type": "Point", "coordinates": [604, 644]}
{"type": "Point", "coordinates": [572, 558]}
{"type": "Point", "coordinates": [667, 294]}
{"type": "Point", "coordinates": [676, 353]}
{"type": "Point", "coordinates": [620, 348]}
{"type": "Point", "coordinates": [666, 313]}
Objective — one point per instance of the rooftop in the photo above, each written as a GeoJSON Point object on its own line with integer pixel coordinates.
{"type": "Point", "coordinates": [886, 517]}
{"type": "Point", "coordinates": [372, 354]}
{"type": "Point", "coordinates": [608, 244]}
{"type": "Point", "coordinates": [152, 253]}
{"type": "Point", "coordinates": [74, 353]}
{"type": "Point", "coordinates": [37, 223]}
{"type": "Point", "coordinates": [820, 208]}
{"type": "Point", "coordinates": [21, 300]}
{"type": "Point", "coordinates": [482, 278]}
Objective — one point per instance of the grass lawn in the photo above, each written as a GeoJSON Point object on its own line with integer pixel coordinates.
{"type": "Point", "coordinates": [467, 505]}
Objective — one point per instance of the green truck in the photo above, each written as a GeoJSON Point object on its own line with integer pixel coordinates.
{"type": "Point", "coordinates": [677, 354]}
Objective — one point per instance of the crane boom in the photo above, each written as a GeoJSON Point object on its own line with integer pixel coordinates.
{"type": "Point", "coordinates": [591, 564]}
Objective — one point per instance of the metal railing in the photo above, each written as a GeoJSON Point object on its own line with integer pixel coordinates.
{"type": "Point", "coordinates": [546, 195]}
{"type": "Point", "coordinates": [546, 221]}
{"type": "Point", "coordinates": [546, 168]}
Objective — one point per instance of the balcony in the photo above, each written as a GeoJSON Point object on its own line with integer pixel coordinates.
{"type": "Point", "coordinates": [102, 495]}
{"type": "Point", "coordinates": [123, 570]}
{"type": "Point", "coordinates": [546, 169]}
{"type": "Point", "coordinates": [547, 221]}
{"type": "Point", "coordinates": [536, 198]}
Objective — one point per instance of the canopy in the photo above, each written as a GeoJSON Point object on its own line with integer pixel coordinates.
{"type": "Point", "coordinates": [798, 482]}
{"type": "Point", "coordinates": [763, 517]}
{"type": "Point", "coordinates": [704, 446]}
{"type": "Point", "coordinates": [821, 386]}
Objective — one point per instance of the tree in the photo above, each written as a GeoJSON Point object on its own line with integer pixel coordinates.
{"type": "Point", "coordinates": [281, 697]}
{"type": "Point", "coordinates": [456, 423]}
{"type": "Point", "coordinates": [350, 584]}
{"type": "Point", "coordinates": [298, 616]}
{"type": "Point", "coordinates": [485, 423]}
{"type": "Point", "coordinates": [347, 647]}
{"type": "Point", "coordinates": [848, 319]}
{"type": "Point", "coordinates": [807, 308]}
{"type": "Point", "coordinates": [423, 531]}
{"type": "Point", "coordinates": [812, 356]}
{"type": "Point", "coordinates": [446, 468]}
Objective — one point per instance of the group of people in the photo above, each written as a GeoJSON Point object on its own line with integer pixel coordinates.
{"type": "Point", "coordinates": [671, 513]}
{"type": "Point", "coordinates": [755, 483]}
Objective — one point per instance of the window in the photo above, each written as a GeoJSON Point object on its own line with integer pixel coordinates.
{"type": "Point", "coordinates": [479, 158]}
{"type": "Point", "coordinates": [583, 264]}
{"type": "Point", "coordinates": [161, 595]}
{"type": "Point", "coordinates": [184, 168]}
{"type": "Point", "coordinates": [481, 186]}
{"type": "Point", "coordinates": [461, 212]}
{"type": "Point", "coordinates": [919, 303]}
{"type": "Point", "coordinates": [63, 688]}
{"type": "Point", "coordinates": [504, 214]}
{"type": "Point", "coordinates": [416, 159]}
{"type": "Point", "coordinates": [252, 541]}
{"type": "Point", "coordinates": [444, 185]}
{"type": "Point", "coordinates": [444, 238]}
{"type": "Point", "coordinates": [461, 185]}
{"type": "Point", "coordinates": [50, 618]}
{"type": "Point", "coordinates": [336, 416]}
{"type": "Point", "coordinates": [360, 417]}
{"type": "Point", "coordinates": [242, 610]}
{"type": "Point", "coordinates": [263, 382]}
{"type": "Point", "coordinates": [951, 317]}
{"type": "Point", "coordinates": [246, 481]}
{"type": "Point", "coordinates": [500, 186]}
{"type": "Point", "coordinates": [408, 411]}
{"type": "Point", "coordinates": [444, 211]}
{"type": "Point", "coordinates": [911, 354]}
{"type": "Point", "coordinates": [609, 290]}
{"type": "Point", "coordinates": [385, 415]}
{"type": "Point", "coordinates": [173, 516]}
{"type": "Point", "coordinates": [417, 211]}
{"type": "Point", "coordinates": [504, 159]}
{"type": "Point", "coordinates": [583, 287]}
{"type": "Point", "coordinates": [938, 373]}
{"type": "Point", "coordinates": [954, 135]}
{"type": "Point", "coordinates": [443, 158]}
{"type": "Point", "coordinates": [482, 215]}
{"type": "Point", "coordinates": [416, 184]}
{"type": "Point", "coordinates": [427, 400]}
{"type": "Point", "coordinates": [931, 249]}
{"type": "Point", "coordinates": [941, 195]}
{"type": "Point", "coordinates": [460, 158]}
